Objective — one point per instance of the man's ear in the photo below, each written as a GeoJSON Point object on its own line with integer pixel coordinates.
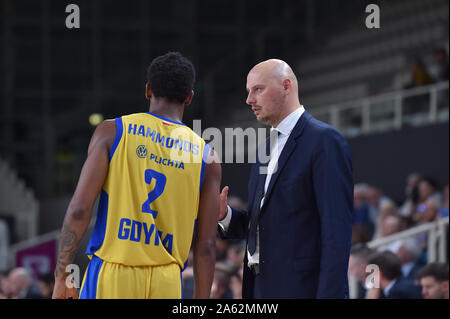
{"type": "Point", "coordinates": [287, 85]}
{"type": "Point", "coordinates": [148, 91]}
{"type": "Point", "coordinates": [189, 99]}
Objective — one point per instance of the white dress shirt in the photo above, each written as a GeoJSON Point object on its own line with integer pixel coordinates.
{"type": "Point", "coordinates": [284, 128]}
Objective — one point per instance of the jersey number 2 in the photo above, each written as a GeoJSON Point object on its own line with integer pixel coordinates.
{"type": "Point", "coordinates": [156, 192]}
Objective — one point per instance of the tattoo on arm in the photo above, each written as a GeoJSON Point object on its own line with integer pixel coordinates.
{"type": "Point", "coordinates": [67, 249]}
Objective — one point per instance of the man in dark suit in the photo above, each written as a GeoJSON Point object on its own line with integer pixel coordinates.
{"type": "Point", "coordinates": [409, 254]}
{"type": "Point", "coordinates": [393, 285]}
{"type": "Point", "coordinates": [299, 215]}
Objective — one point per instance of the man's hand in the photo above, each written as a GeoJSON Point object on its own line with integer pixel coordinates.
{"type": "Point", "coordinates": [223, 203]}
{"type": "Point", "coordinates": [61, 291]}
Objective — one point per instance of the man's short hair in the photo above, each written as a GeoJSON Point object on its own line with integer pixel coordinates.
{"type": "Point", "coordinates": [388, 262]}
{"type": "Point", "coordinates": [171, 76]}
{"type": "Point", "coordinates": [437, 270]}
{"type": "Point", "coordinates": [431, 181]}
{"type": "Point", "coordinates": [362, 251]}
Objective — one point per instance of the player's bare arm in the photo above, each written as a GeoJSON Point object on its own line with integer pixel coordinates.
{"type": "Point", "coordinates": [205, 241]}
{"type": "Point", "coordinates": [79, 212]}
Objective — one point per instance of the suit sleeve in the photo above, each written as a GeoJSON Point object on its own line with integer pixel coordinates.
{"type": "Point", "coordinates": [240, 219]}
{"type": "Point", "coordinates": [238, 225]}
{"type": "Point", "coordinates": [333, 188]}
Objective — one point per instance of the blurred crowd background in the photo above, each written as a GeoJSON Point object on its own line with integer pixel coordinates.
{"type": "Point", "coordinates": [385, 89]}
{"type": "Point", "coordinates": [375, 216]}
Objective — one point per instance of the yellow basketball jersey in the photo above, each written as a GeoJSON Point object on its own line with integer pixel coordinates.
{"type": "Point", "coordinates": [149, 202]}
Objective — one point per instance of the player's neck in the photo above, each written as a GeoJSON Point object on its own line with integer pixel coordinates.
{"type": "Point", "coordinates": [169, 110]}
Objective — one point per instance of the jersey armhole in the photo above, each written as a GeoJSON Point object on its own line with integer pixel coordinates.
{"type": "Point", "coordinates": [119, 132]}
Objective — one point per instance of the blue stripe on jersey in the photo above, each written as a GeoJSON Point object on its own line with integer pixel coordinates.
{"type": "Point", "coordinates": [181, 278]}
{"type": "Point", "coordinates": [166, 119]}
{"type": "Point", "coordinates": [119, 132]}
{"type": "Point", "coordinates": [205, 157]}
{"type": "Point", "coordinates": [89, 290]}
{"type": "Point", "coordinates": [98, 235]}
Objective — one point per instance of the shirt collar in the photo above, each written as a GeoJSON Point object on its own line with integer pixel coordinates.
{"type": "Point", "coordinates": [389, 287]}
{"type": "Point", "coordinates": [406, 269]}
{"type": "Point", "coordinates": [287, 125]}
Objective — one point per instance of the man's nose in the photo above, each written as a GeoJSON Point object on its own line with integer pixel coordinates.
{"type": "Point", "coordinates": [250, 100]}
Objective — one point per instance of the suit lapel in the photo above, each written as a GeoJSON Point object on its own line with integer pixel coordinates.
{"type": "Point", "coordinates": [288, 149]}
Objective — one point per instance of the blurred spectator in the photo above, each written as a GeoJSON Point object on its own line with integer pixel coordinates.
{"type": "Point", "coordinates": [221, 249]}
{"type": "Point", "coordinates": [433, 279]}
{"type": "Point", "coordinates": [443, 211]}
{"type": "Point", "coordinates": [357, 264]}
{"type": "Point", "coordinates": [236, 283]}
{"type": "Point", "coordinates": [392, 224]}
{"type": "Point", "coordinates": [4, 285]}
{"type": "Point", "coordinates": [419, 74]}
{"type": "Point", "coordinates": [362, 227]}
{"type": "Point", "coordinates": [392, 283]}
{"type": "Point", "coordinates": [235, 255]}
{"type": "Point", "coordinates": [412, 183]}
{"type": "Point", "coordinates": [375, 199]}
{"type": "Point", "coordinates": [409, 254]}
{"type": "Point", "coordinates": [387, 209]}
{"type": "Point", "coordinates": [188, 278]}
{"type": "Point", "coordinates": [46, 284]}
{"type": "Point", "coordinates": [21, 285]}
{"type": "Point", "coordinates": [429, 191]}
{"type": "Point", "coordinates": [221, 283]}
{"type": "Point", "coordinates": [4, 244]}
{"type": "Point", "coordinates": [429, 201]}
{"type": "Point", "coordinates": [440, 56]}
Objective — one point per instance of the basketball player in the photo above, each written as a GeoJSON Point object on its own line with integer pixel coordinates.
{"type": "Point", "coordinates": [157, 179]}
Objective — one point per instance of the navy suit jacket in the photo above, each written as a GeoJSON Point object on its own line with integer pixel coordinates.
{"type": "Point", "coordinates": [404, 289]}
{"type": "Point", "coordinates": [306, 220]}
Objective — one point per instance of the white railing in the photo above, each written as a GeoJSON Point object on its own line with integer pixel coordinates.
{"type": "Point", "coordinates": [436, 244]}
{"type": "Point", "coordinates": [416, 106]}
{"type": "Point", "coordinates": [437, 240]}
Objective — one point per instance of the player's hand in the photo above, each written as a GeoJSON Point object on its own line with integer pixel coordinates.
{"type": "Point", "coordinates": [61, 291]}
{"type": "Point", "coordinates": [223, 203]}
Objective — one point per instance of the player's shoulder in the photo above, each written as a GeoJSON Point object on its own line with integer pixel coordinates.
{"type": "Point", "coordinates": [106, 128]}
{"type": "Point", "coordinates": [104, 133]}
{"type": "Point", "coordinates": [133, 116]}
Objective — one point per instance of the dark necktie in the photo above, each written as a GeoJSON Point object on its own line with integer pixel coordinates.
{"type": "Point", "coordinates": [259, 194]}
